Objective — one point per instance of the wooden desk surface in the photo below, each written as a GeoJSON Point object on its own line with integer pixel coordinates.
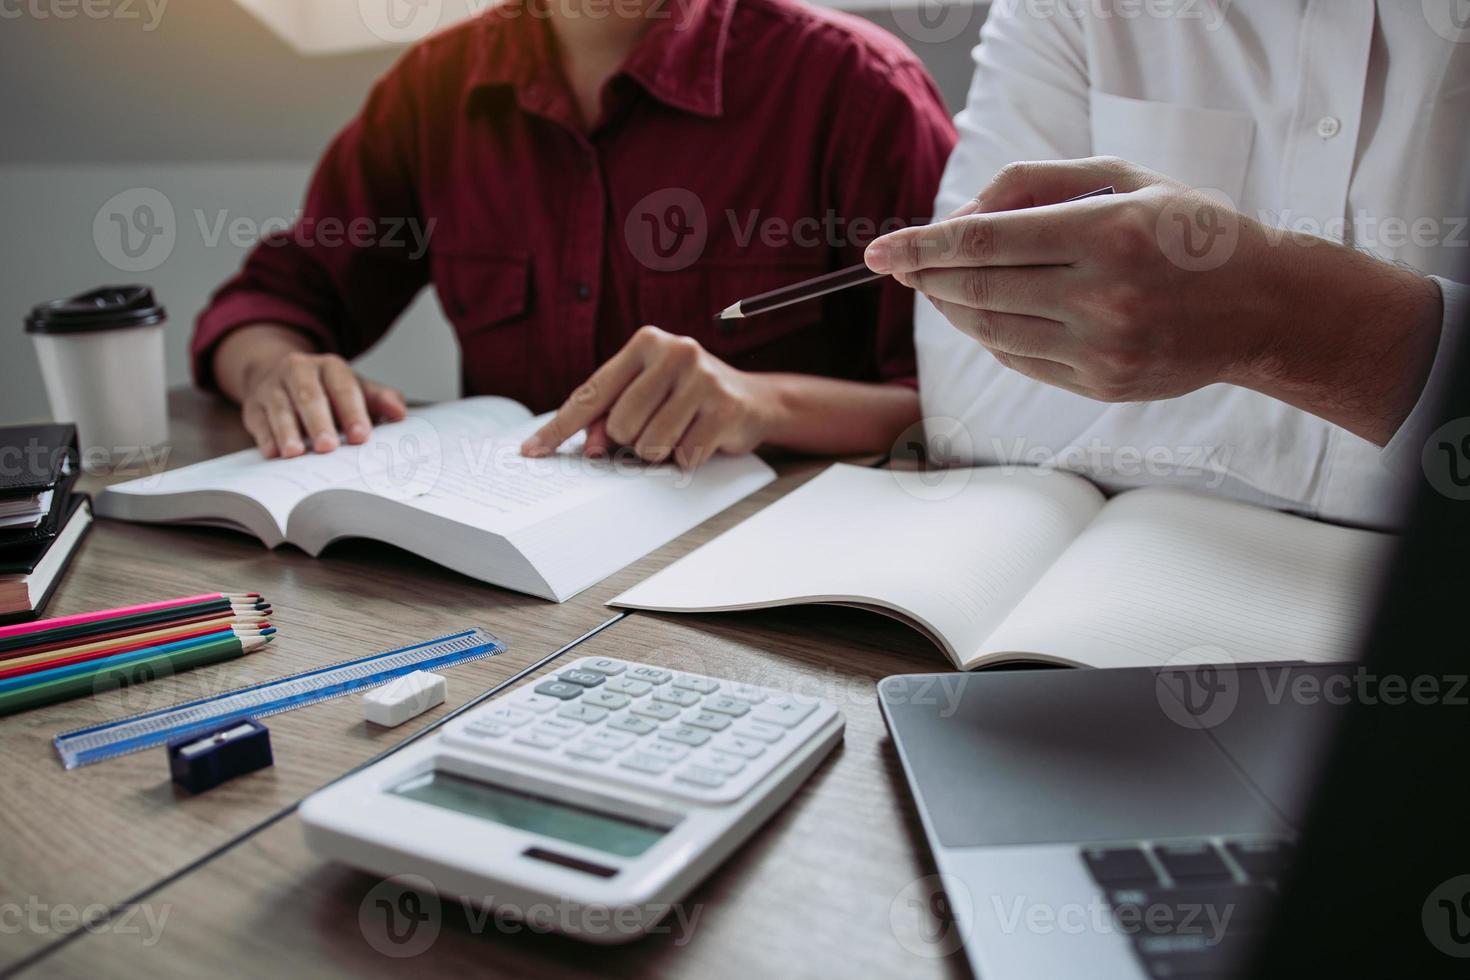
{"type": "Point", "coordinates": [841, 876]}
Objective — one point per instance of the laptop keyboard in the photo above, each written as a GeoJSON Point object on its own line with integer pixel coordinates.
{"type": "Point", "coordinates": [1191, 908]}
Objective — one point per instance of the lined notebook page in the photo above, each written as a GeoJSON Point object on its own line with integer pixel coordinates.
{"type": "Point", "coordinates": [955, 556]}
{"type": "Point", "coordinates": [1168, 576]}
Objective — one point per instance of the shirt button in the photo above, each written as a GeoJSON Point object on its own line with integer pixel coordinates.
{"type": "Point", "coordinates": [1328, 127]}
{"type": "Point", "coordinates": [584, 291]}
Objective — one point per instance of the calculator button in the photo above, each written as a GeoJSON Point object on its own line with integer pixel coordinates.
{"type": "Point", "coordinates": [590, 751]}
{"type": "Point", "coordinates": [746, 692]}
{"type": "Point", "coordinates": [755, 729]}
{"type": "Point", "coordinates": [701, 776]}
{"type": "Point", "coordinates": [486, 729]}
{"type": "Point", "coordinates": [583, 713]}
{"type": "Point", "coordinates": [787, 712]}
{"type": "Point", "coordinates": [558, 727]}
{"type": "Point", "coordinates": [603, 665]}
{"type": "Point", "coordinates": [652, 675]}
{"type": "Point", "coordinates": [508, 716]}
{"type": "Point", "coordinates": [666, 750]}
{"type": "Point", "coordinates": [684, 735]}
{"type": "Point", "coordinates": [615, 740]}
{"type": "Point", "coordinates": [676, 695]}
{"type": "Point", "coordinates": [733, 707]}
{"type": "Point", "coordinates": [703, 685]}
{"type": "Point", "coordinates": [643, 762]}
{"type": "Point", "coordinates": [538, 703]}
{"type": "Point", "coordinates": [538, 740]}
{"type": "Point", "coordinates": [661, 710]}
{"type": "Point", "coordinates": [722, 762]}
{"type": "Point", "coordinates": [735, 745]}
{"type": "Point", "coordinates": [606, 699]}
{"type": "Point", "coordinates": [582, 678]}
{"type": "Point", "coordinates": [707, 719]}
{"type": "Point", "coordinates": [632, 724]}
{"type": "Point", "coordinates": [628, 686]}
{"type": "Point", "coordinates": [560, 690]}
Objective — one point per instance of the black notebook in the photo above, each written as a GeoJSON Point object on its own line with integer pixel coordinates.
{"type": "Point", "coordinates": [41, 520]}
{"type": "Point", "coordinates": [27, 579]}
{"type": "Point", "coordinates": [34, 458]}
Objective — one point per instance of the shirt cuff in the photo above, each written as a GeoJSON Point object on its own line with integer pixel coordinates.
{"type": "Point", "coordinates": [1404, 449]}
{"type": "Point", "coordinates": [237, 310]}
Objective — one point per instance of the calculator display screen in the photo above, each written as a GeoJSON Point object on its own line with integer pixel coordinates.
{"type": "Point", "coordinates": [516, 808]}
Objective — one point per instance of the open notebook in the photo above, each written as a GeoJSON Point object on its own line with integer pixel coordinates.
{"type": "Point", "coordinates": [449, 484]}
{"type": "Point", "coordinates": [1006, 564]}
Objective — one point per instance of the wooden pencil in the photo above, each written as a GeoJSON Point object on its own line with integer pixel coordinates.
{"type": "Point", "coordinates": [100, 627]}
{"type": "Point", "coordinates": [40, 625]}
{"type": "Point", "coordinates": [95, 651]}
{"type": "Point", "coordinates": [831, 282]}
{"type": "Point", "coordinates": [127, 634]}
{"type": "Point", "coordinates": [133, 672]}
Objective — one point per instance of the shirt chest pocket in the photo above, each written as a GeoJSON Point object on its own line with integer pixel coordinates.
{"type": "Point", "coordinates": [1204, 148]}
{"type": "Point", "coordinates": [482, 290]}
{"type": "Point", "coordinates": [685, 302]}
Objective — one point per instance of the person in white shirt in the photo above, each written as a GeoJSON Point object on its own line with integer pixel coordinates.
{"type": "Point", "coordinates": [1261, 307]}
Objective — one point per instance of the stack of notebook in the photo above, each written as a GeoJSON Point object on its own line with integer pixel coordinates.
{"type": "Point", "coordinates": [42, 521]}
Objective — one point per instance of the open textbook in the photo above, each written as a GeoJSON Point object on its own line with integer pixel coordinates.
{"type": "Point", "coordinates": [449, 484]}
{"type": "Point", "coordinates": [1016, 564]}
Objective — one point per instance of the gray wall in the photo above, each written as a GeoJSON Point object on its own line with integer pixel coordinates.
{"type": "Point", "coordinates": [222, 118]}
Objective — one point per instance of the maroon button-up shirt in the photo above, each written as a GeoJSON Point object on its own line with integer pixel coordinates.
{"type": "Point", "coordinates": [744, 145]}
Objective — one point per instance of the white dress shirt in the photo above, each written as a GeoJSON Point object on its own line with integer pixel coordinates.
{"type": "Point", "coordinates": [1345, 118]}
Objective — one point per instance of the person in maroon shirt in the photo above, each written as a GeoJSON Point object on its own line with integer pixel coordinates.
{"type": "Point", "coordinates": [585, 184]}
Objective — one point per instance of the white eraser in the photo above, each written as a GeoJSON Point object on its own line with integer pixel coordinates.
{"type": "Point", "coordinates": [403, 698]}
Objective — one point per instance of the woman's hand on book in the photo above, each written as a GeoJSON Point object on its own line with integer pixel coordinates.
{"type": "Point", "coordinates": [297, 401]}
{"type": "Point", "coordinates": [665, 397]}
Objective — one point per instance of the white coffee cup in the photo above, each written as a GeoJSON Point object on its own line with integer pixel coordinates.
{"type": "Point", "coordinates": [102, 361]}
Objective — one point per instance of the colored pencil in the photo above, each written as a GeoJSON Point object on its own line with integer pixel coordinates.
{"type": "Point", "coordinates": [132, 672]}
{"type": "Point", "coordinates": [95, 651]}
{"type": "Point", "coordinates": [77, 620]}
{"type": "Point", "coordinates": [99, 627]}
{"type": "Point", "coordinates": [89, 667]}
{"type": "Point", "coordinates": [126, 633]}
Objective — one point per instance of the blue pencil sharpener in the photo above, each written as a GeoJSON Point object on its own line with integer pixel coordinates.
{"type": "Point", "coordinates": [204, 760]}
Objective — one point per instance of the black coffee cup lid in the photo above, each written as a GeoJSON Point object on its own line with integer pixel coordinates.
{"type": "Point", "coordinates": [107, 308]}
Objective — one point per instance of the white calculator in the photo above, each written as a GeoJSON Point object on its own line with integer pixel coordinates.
{"type": "Point", "coordinates": [602, 794]}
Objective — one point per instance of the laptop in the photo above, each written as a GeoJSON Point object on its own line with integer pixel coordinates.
{"type": "Point", "coordinates": [1282, 819]}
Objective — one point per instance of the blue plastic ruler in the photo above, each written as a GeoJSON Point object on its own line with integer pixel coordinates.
{"type": "Point", "coordinates": [114, 738]}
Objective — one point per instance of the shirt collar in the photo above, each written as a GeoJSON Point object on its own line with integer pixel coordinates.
{"type": "Point", "coordinates": [680, 61]}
